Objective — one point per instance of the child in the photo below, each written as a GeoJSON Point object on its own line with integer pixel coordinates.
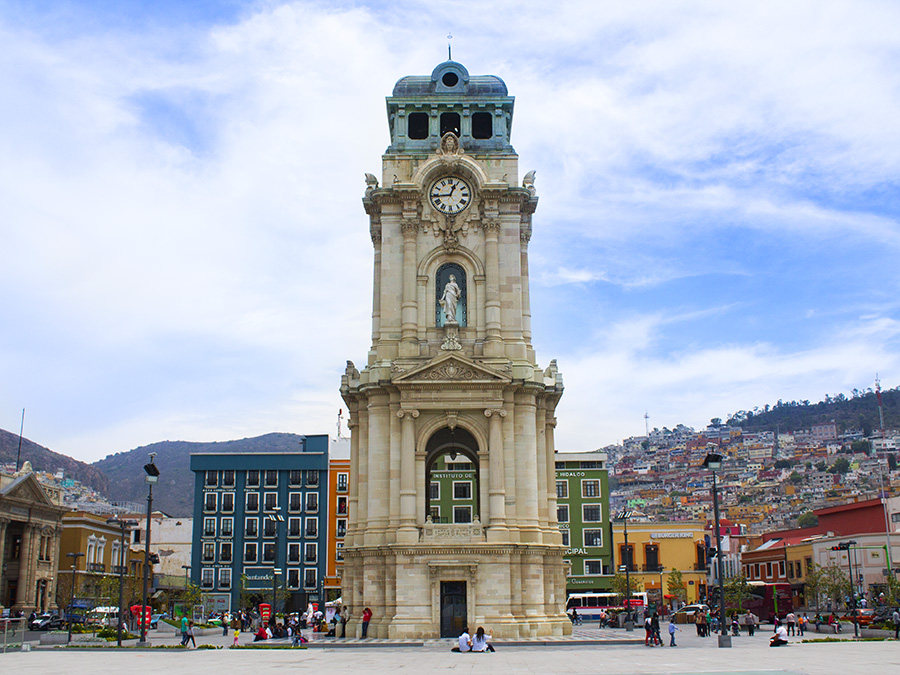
{"type": "Point", "coordinates": [237, 633]}
{"type": "Point", "coordinates": [672, 629]}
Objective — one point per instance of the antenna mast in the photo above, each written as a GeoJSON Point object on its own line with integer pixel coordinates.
{"type": "Point", "coordinates": [647, 424]}
{"type": "Point", "coordinates": [22, 429]}
{"type": "Point", "coordinates": [449, 54]}
{"type": "Point", "coordinates": [340, 418]}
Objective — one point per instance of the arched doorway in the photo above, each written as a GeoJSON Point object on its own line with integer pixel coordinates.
{"type": "Point", "coordinates": [452, 477]}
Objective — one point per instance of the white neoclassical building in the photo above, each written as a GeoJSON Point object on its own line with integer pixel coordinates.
{"type": "Point", "coordinates": [451, 380]}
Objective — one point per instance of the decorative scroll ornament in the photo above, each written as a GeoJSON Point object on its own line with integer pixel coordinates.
{"type": "Point", "coordinates": [451, 344]}
{"type": "Point", "coordinates": [412, 414]}
{"type": "Point", "coordinates": [371, 183]}
{"type": "Point", "coordinates": [495, 411]}
{"type": "Point", "coordinates": [528, 182]}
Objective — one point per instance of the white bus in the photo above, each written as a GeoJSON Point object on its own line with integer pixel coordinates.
{"type": "Point", "coordinates": [589, 605]}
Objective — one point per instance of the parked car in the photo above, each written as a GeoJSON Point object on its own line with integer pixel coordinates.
{"type": "Point", "coordinates": [47, 621]}
{"type": "Point", "coordinates": [865, 616]}
{"type": "Point", "coordinates": [688, 611]}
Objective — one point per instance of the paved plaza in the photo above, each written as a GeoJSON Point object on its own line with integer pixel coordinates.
{"type": "Point", "coordinates": [589, 651]}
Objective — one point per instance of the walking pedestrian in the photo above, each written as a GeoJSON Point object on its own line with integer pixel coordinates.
{"type": "Point", "coordinates": [751, 623]}
{"type": "Point", "coordinates": [672, 629]}
{"type": "Point", "coordinates": [184, 631]}
{"type": "Point", "coordinates": [896, 619]}
{"type": "Point", "coordinates": [190, 632]}
{"type": "Point", "coordinates": [791, 619]}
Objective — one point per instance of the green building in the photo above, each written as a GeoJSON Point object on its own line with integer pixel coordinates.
{"type": "Point", "coordinates": [452, 496]}
{"type": "Point", "coordinates": [582, 497]}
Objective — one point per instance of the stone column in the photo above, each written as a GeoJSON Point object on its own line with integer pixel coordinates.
{"type": "Point", "coordinates": [509, 466]}
{"type": "Point", "coordinates": [54, 558]}
{"type": "Point", "coordinates": [524, 238]}
{"type": "Point", "coordinates": [375, 232]}
{"type": "Point", "coordinates": [526, 468]}
{"type": "Point", "coordinates": [408, 533]}
{"type": "Point", "coordinates": [493, 343]}
{"type": "Point", "coordinates": [379, 468]}
{"type": "Point", "coordinates": [497, 530]}
{"type": "Point", "coordinates": [362, 521]}
{"type": "Point", "coordinates": [353, 486]}
{"type": "Point", "coordinates": [3, 523]}
{"type": "Point", "coordinates": [409, 308]}
{"type": "Point", "coordinates": [25, 566]}
{"type": "Point", "coordinates": [550, 449]}
{"type": "Point", "coordinates": [541, 455]}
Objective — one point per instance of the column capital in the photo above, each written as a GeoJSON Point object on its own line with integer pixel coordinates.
{"type": "Point", "coordinates": [551, 421]}
{"type": "Point", "coordinates": [491, 226]}
{"type": "Point", "coordinates": [410, 413]}
{"type": "Point", "coordinates": [410, 228]}
{"type": "Point", "coordinates": [500, 412]}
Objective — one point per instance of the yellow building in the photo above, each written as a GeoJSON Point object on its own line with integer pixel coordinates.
{"type": "Point", "coordinates": [655, 549]}
{"type": "Point", "coordinates": [96, 570]}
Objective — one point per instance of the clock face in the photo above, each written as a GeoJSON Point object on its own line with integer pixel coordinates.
{"type": "Point", "coordinates": [450, 195]}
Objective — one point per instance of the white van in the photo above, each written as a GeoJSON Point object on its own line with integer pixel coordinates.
{"type": "Point", "coordinates": [105, 616]}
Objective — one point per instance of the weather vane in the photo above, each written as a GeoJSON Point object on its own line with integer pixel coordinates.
{"type": "Point", "coordinates": [449, 53]}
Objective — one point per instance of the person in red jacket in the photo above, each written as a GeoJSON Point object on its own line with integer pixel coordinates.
{"type": "Point", "coordinates": [366, 617]}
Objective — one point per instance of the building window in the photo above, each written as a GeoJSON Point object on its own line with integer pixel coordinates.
{"type": "Point", "coordinates": [565, 537]}
{"type": "Point", "coordinates": [252, 502]}
{"type": "Point", "coordinates": [343, 480]}
{"type": "Point", "coordinates": [339, 553]}
{"type": "Point", "coordinates": [293, 580]}
{"type": "Point", "coordinates": [294, 527]}
{"type": "Point", "coordinates": [206, 577]}
{"type": "Point", "coordinates": [462, 490]}
{"type": "Point", "coordinates": [225, 578]}
{"type": "Point", "coordinates": [417, 126]}
{"type": "Point", "coordinates": [295, 501]}
{"type": "Point", "coordinates": [768, 570]}
{"type": "Point", "coordinates": [268, 553]}
{"type": "Point", "coordinates": [593, 537]}
{"type": "Point", "coordinates": [209, 552]}
{"type": "Point", "coordinates": [312, 502]}
{"type": "Point", "coordinates": [271, 478]}
{"type": "Point", "coordinates": [651, 556]}
{"type": "Point", "coordinates": [626, 555]}
{"type": "Point", "coordinates": [310, 554]}
{"type": "Point", "coordinates": [449, 123]}
{"type": "Point", "coordinates": [309, 578]}
{"type": "Point", "coordinates": [434, 490]}
{"type": "Point", "coordinates": [253, 478]}
{"type": "Point", "coordinates": [225, 552]}
{"type": "Point", "coordinates": [593, 567]}
{"type": "Point", "coordinates": [250, 552]}
{"type": "Point", "coordinates": [251, 527]}
{"type": "Point", "coordinates": [228, 478]}
{"type": "Point", "coordinates": [590, 488]}
{"type": "Point", "coordinates": [562, 513]}
{"type": "Point", "coordinates": [482, 125]}
{"type": "Point", "coordinates": [562, 489]}
{"type": "Point", "coordinates": [212, 478]}
{"type": "Point", "coordinates": [312, 527]}
{"type": "Point", "coordinates": [295, 477]}
{"type": "Point", "coordinates": [271, 501]}
{"type": "Point", "coordinates": [781, 569]}
{"type": "Point", "coordinates": [462, 514]}
{"type": "Point", "coordinates": [312, 479]}
{"type": "Point", "coordinates": [209, 527]}
{"type": "Point", "coordinates": [293, 553]}
{"type": "Point", "coordinates": [268, 528]}
{"type": "Point", "coordinates": [227, 502]}
{"type": "Point", "coordinates": [341, 527]}
{"type": "Point", "coordinates": [209, 502]}
{"type": "Point", "coordinates": [435, 513]}
{"type": "Point", "coordinates": [342, 506]}
{"type": "Point", "coordinates": [591, 513]}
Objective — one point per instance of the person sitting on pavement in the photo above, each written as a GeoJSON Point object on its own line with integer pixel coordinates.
{"type": "Point", "coordinates": [780, 637]}
{"type": "Point", "coordinates": [465, 642]}
{"type": "Point", "coordinates": [482, 642]}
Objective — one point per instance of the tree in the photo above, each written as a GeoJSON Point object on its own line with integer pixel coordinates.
{"type": "Point", "coordinates": [807, 519]}
{"type": "Point", "coordinates": [859, 447]}
{"type": "Point", "coordinates": [813, 585]}
{"type": "Point", "coordinates": [795, 478]}
{"type": "Point", "coordinates": [841, 465]}
{"type": "Point", "coordinates": [783, 463]}
{"type": "Point", "coordinates": [820, 466]}
{"type": "Point", "coordinates": [619, 587]}
{"type": "Point", "coordinates": [676, 586]}
{"type": "Point", "coordinates": [737, 590]}
{"type": "Point", "coordinates": [892, 462]}
{"type": "Point", "coordinates": [835, 584]}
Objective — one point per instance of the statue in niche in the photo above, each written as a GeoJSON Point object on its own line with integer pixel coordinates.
{"type": "Point", "coordinates": [450, 299]}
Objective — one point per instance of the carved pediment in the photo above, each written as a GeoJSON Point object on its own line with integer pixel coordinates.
{"type": "Point", "coordinates": [27, 489]}
{"type": "Point", "coordinates": [452, 368]}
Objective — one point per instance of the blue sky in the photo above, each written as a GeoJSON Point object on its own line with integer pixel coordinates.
{"type": "Point", "coordinates": [186, 256]}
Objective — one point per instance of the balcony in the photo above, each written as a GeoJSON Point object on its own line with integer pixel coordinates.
{"type": "Point", "coordinates": [653, 568]}
{"type": "Point", "coordinates": [118, 569]}
{"type": "Point", "coordinates": [96, 567]}
{"type": "Point", "coordinates": [701, 567]}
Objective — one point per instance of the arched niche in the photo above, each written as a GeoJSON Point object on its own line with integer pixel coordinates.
{"type": "Point", "coordinates": [452, 477]}
{"type": "Point", "coordinates": [451, 272]}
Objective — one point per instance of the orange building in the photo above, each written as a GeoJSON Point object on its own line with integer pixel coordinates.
{"type": "Point", "coordinates": [338, 510]}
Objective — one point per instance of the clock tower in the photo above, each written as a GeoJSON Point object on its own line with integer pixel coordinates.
{"type": "Point", "coordinates": [452, 518]}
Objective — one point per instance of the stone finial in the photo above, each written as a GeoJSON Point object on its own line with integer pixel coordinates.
{"type": "Point", "coordinates": [528, 182]}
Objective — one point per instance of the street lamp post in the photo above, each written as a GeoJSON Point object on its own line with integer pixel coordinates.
{"type": "Point", "coordinates": [151, 478]}
{"type": "Point", "coordinates": [624, 515]}
{"type": "Point", "coordinates": [275, 572]}
{"type": "Point", "coordinates": [124, 525]}
{"type": "Point", "coordinates": [74, 556]}
{"type": "Point", "coordinates": [846, 546]}
{"type": "Point", "coordinates": [713, 462]}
